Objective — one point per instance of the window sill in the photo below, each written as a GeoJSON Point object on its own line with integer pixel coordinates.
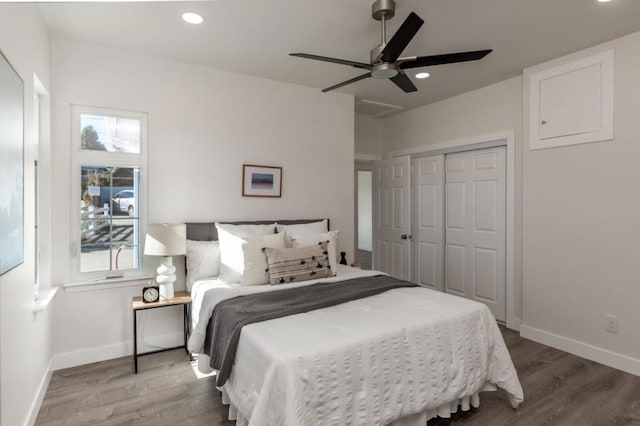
{"type": "Point", "coordinates": [105, 284]}
{"type": "Point", "coordinates": [45, 296]}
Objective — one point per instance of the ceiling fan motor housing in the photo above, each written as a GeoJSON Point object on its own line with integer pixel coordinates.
{"type": "Point", "coordinates": [383, 8]}
{"type": "Point", "coordinates": [376, 52]}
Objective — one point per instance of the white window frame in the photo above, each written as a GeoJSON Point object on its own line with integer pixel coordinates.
{"type": "Point", "coordinates": [79, 158]}
{"type": "Point", "coordinates": [39, 135]}
{"type": "Point", "coordinates": [36, 192]}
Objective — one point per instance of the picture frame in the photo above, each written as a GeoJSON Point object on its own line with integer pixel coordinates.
{"type": "Point", "coordinates": [261, 181]}
{"type": "Point", "coordinates": [11, 167]}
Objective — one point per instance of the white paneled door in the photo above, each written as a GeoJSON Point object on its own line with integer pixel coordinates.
{"type": "Point", "coordinates": [392, 217]}
{"type": "Point", "coordinates": [475, 227]}
{"type": "Point", "coordinates": [427, 209]}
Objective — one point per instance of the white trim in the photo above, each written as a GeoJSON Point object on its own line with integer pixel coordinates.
{"type": "Point", "coordinates": [39, 87]}
{"type": "Point", "coordinates": [89, 355]}
{"type": "Point", "coordinates": [34, 408]}
{"type": "Point", "coordinates": [367, 157]}
{"type": "Point", "coordinates": [584, 350]}
{"type": "Point", "coordinates": [45, 296]}
{"type": "Point", "coordinates": [505, 138]}
{"type": "Point", "coordinates": [511, 229]}
{"type": "Point", "coordinates": [515, 324]}
{"type": "Point", "coordinates": [103, 284]}
{"type": "Point", "coordinates": [457, 143]}
{"type": "Point", "coordinates": [114, 350]}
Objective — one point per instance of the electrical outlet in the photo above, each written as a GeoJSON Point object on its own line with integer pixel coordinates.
{"type": "Point", "coordinates": [612, 324]}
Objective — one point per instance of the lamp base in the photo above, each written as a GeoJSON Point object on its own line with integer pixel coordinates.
{"type": "Point", "coordinates": [166, 277]}
{"type": "Point", "coordinates": [166, 291]}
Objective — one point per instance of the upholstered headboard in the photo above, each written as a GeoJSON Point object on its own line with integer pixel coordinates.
{"type": "Point", "coordinates": [206, 231]}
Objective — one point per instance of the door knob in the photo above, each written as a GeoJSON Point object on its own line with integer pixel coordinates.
{"type": "Point", "coordinates": [405, 237]}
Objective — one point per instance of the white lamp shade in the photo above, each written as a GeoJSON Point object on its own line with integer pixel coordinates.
{"type": "Point", "coordinates": [166, 239]}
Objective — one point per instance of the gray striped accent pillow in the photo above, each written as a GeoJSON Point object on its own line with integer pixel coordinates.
{"type": "Point", "coordinates": [298, 264]}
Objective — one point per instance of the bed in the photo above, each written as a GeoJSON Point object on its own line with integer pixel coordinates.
{"type": "Point", "coordinates": [397, 358]}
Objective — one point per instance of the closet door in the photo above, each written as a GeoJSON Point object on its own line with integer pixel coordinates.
{"type": "Point", "coordinates": [427, 182]}
{"type": "Point", "coordinates": [392, 216]}
{"type": "Point", "coordinates": [475, 228]}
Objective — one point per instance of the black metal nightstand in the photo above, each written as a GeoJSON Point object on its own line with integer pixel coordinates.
{"type": "Point", "coordinates": [180, 298]}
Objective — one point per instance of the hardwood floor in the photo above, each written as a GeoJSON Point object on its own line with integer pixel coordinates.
{"type": "Point", "coordinates": [559, 388]}
{"type": "Point", "coordinates": [165, 391]}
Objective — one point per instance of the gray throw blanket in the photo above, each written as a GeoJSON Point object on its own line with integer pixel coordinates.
{"type": "Point", "coordinates": [230, 315]}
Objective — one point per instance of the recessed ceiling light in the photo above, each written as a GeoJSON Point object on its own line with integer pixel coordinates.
{"type": "Point", "coordinates": [422, 75]}
{"type": "Point", "coordinates": [192, 18]}
{"type": "Point", "coordinates": [604, 1]}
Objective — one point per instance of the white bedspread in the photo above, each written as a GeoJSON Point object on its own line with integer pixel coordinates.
{"type": "Point", "coordinates": [366, 362]}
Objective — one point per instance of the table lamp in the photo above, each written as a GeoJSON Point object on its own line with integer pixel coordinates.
{"type": "Point", "coordinates": [166, 240]}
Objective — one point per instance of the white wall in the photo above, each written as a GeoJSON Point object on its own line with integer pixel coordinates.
{"type": "Point", "coordinates": [581, 224]}
{"type": "Point", "coordinates": [203, 125]}
{"type": "Point", "coordinates": [485, 111]}
{"type": "Point", "coordinates": [577, 210]}
{"type": "Point", "coordinates": [25, 337]}
{"type": "Point", "coordinates": [368, 137]}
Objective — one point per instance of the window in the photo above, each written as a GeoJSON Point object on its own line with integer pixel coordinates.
{"type": "Point", "coordinates": [109, 149]}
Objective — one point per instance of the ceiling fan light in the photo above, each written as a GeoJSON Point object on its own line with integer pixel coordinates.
{"type": "Point", "coordinates": [422, 75]}
{"type": "Point", "coordinates": [192, 18]}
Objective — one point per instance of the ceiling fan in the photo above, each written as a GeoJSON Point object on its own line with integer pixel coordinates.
{"type": "Point", "coordinates": [385, 58]}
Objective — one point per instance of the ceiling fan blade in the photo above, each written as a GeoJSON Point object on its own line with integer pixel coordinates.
{"type": "Point", "coordinates": [333, 60]}
{"type": "Point", "coordinates": [401, 38]}
{"type": "Point", "coordinates": [344, 83]}
{"type": "Point", "coordinates": [447, 58]}
{"type": "Point", "coordinates": [404, 82]}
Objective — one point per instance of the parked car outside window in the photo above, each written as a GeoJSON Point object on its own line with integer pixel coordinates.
{"type": "Point", "coordinates": [124, 202]}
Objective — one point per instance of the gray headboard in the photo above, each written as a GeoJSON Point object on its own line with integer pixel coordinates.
{"type": "Point", "coordinates": [206, 231]}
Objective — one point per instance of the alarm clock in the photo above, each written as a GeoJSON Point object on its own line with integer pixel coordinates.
{"type": "Point", "coordinates": [150, 294]}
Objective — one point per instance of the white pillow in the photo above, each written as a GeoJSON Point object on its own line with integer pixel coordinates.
{"type": "Point", "coordinates": [203, 260]}
{"type": "Point", "coordinates": [312, 228]}
{"type": "Point", "coordinates": [332, 247]}
{"type": "Point", "coordinates": [255, 260]}
{"type": "Point", "coordinates": [230, 238]}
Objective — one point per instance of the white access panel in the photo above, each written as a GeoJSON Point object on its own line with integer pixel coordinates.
{"type": "Point", "coordinates": [427, 185]}
{"type": "Point", "coordinates": [392, 217]}
{"type": "Point", "coordinates": [572, 103]}
{"type": "Point", "coordinates": [475, 227]}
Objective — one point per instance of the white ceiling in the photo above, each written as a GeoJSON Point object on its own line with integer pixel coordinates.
{"type": "Point", "coordinates": [255, 36]}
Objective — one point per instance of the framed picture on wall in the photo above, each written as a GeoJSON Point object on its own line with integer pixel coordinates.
{"type": "Point", "coordinates": [261, 181]}
{"type": "Point", "coordinates": [11, 167]}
